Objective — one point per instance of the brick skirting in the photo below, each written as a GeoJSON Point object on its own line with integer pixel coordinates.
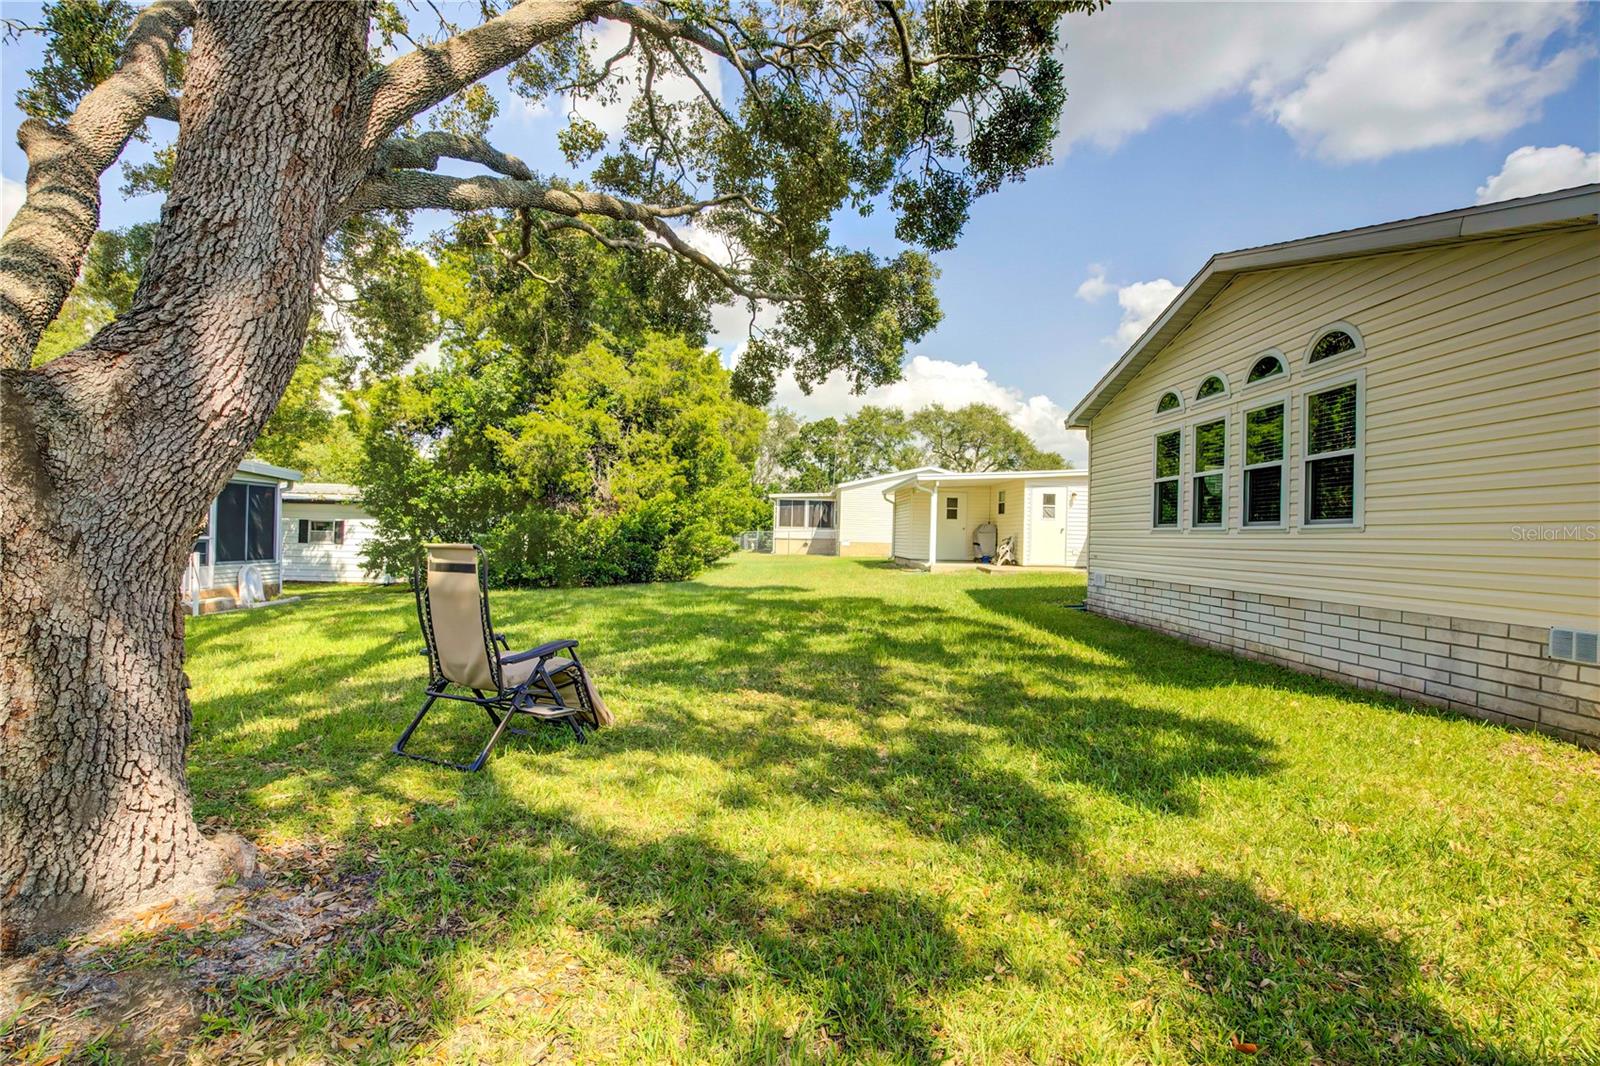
{"type": "Point", "coordinates": [1493, 670]}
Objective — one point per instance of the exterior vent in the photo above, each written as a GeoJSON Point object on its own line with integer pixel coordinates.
{"type": "Point", "coordinates": [1575, 645]}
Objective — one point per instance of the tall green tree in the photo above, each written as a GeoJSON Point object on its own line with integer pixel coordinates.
{"type": "Point", "coordinates": [978, 437]}
{"type": "Point", "coordinates": [295, 122]}
{"type": "Point", "coordinates": [822, 453]}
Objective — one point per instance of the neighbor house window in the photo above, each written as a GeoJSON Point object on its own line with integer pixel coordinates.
{"type": "Point", "coordinates": [1211, 386]}
{"type": "Point", "coordinates": [1263, 465]}
{"type": "Point", "coordinates": [821, 514]}
{"type": "Point", "coordinates": [1210, 457]}
{"type": "Point", "coordinates": [246, 520]}
{"type": "Point", "coordinates": [1047, 505]}
{"type": "Point", "coordinates": [1267, 365]}
{"type": "Point", "coordinates": [952, 507]}
{"type": "Point", "coordinates": [1000, 502]}
{"type": "Point", "coordinates": [1169, 455]}
{"type": "Point", "coordinates": [1337, 339]}
{"type": "Point", "coordinates": [320, 531]}
{"type": "Point", "coordinates": [1168, 402]}
{"type": "Point", "coordinates": [1332, 433]}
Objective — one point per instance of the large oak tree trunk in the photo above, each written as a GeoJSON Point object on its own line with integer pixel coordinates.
{"type": "Point", "coordinates": [110, 454]}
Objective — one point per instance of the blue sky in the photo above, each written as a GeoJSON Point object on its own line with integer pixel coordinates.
{"type": "Point", "coordinates": [1190, 129]}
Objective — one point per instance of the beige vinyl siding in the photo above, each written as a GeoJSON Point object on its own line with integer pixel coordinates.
{"type": "Point", "coordinates": [910, 523]}
{"type": "Point", "coordinates": [1011, 523]}
{"type": "Point", "coordinates": [866, 520]}
{"type": "Point", "coordinates": [325, 562]}
{"type": "Point", "coordinates": [1481, 384]}
{"type": "Point", "coordinates": [1078, 523]}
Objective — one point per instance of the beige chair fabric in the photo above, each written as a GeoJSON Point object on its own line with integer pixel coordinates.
{"type": "Point", "coordinates": [456, 613]}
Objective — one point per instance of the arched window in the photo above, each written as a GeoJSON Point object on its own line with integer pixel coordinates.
{"type": "Point", "coordinates": [1168, 402]}
{"type": "Point", "coordinates": [1211, 386]}
{"type": "Point", "coordinates": [1269, 364]}
{"type": "Point", "coordinates": [1334, 340]}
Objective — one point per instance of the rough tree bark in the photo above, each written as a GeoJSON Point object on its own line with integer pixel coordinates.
{"type": "Point", "coordinates": [109, 454]}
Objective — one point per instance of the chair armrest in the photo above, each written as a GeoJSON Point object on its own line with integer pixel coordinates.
{"type": "Point", "coordinates": [500, 639]}
{"type": "Point", "coordinates": [543, 651]}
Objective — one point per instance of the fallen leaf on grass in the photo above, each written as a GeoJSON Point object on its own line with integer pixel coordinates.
{"type": "Point", "coordinates": [1244, 1047]}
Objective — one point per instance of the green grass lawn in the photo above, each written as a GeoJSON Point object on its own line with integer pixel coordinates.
{"type": "Point", "coordinates": [858, 814]}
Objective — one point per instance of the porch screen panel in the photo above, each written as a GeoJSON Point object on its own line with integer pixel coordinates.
{"type": "Point", "coordinates": [260, 543]}
{"type": "Point", "coordinates": [232, 504]}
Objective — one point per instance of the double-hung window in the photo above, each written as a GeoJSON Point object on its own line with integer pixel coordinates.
{"type": "Point", "coordinates": [1168, 471]}
{"type": "Point", "coordinates": [1332, 484]}
{"type": "Point", "coordinates": [1000, 502]}
{"type": "Point", "coordinates": [1264, 465]}
{"type": "Point", "coordinates": [320, 531]}
{"type": "Point", "coordinates": [1210, 459]}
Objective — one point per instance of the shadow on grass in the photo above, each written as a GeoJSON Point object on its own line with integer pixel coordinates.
{"type": "Point", "coordinates": [958, 729]}
{"type": "Point", "coordinates": [1302, 990]}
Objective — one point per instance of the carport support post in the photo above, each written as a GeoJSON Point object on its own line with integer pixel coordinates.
{"type": "Point", "coordinates": [933, 526]}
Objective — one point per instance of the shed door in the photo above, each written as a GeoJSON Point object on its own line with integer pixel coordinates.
{"type": "Point", "coordinates": [954, 544]}
{"type": "Point", "coordinates": [1047, 525]}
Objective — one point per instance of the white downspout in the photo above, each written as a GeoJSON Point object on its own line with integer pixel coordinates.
{"type": "Point", "coordinates": [933, 526]}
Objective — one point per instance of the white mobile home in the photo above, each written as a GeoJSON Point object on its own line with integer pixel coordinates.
{"type": "Point", "coordinates": [237, 552]}
{"type": "Point", "coordinates": [853, 518]}
{"type": "Point", "coordinates": [1373, 455]}
{"type": "Point", "coordinates": [941, 517]}
{"type": "Point", "coordinates": [324, 531]}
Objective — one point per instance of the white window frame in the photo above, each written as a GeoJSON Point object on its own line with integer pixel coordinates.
{"type": "Point", "coordinates": [1333, 362]}
{"type": "Point", "coordinates": [1049, 499]}
{"type": "Point", "coordinates": [813, 511]}
{"type": "Point", "coordinates": [1194, 475]}
{"type": "Point", "coordinates": [1177, 412]}
{"type": "Point", "coordinates": [312, 531]}
{"type": "Point", "coordinates": [1284, 400]}
{"type": "Point", "coordinates": [999, 501]}
{"type": "Point", "coordinates": [1155, 451]}
{"type": "Point", "coordinates": [1273, 380]}
{"type": "Point", "coordinates": [952, 508]}
{"type": "Point", "coordinates": [1227, 389]}
{"type": "Point", "coordinates": [1304, 458]}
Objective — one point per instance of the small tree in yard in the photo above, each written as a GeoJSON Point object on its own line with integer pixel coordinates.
{"type": "Point", "coordinates": [291, 129]}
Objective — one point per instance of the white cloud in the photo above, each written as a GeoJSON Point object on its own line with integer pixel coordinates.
{"type": "Point", "coordinates": [12, 194]}
{"type": "Point", "coordinates": [1346, 81]}
{"type": "Point", "coordinates": [1095, 286]}
{"type": "Point", "coordinates": [1529, 171]}
{"type": "Point", "coordinates": [926, 381]}
{"type": "Point", "coordinates": [1142, 303]}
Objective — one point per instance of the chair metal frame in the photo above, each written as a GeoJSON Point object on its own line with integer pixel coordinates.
{"type": "Point", "coordinates": [538, 696]}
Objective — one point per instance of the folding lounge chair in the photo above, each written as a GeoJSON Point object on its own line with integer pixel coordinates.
{"type": "Point", "coordinates": [547, 683]}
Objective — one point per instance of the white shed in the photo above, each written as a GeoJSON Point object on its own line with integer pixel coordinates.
{"type": "Point", "coordinates": [324, 531]}
{"type": "Point", "coordinates": [938, 515]}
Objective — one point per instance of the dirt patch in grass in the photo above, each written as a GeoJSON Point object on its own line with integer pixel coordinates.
{"type": "Point", "coordinates": [139, 991]}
